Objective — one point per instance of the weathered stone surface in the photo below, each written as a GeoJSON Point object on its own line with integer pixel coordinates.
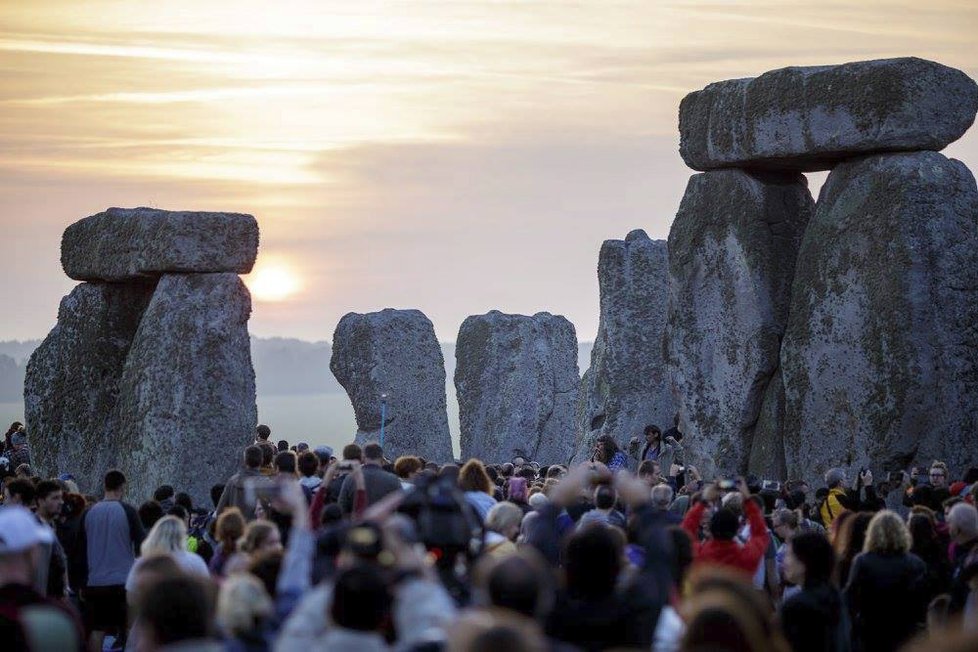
{"type": "Point", "coordinates": [732, 251]}
{"type": "Point", "coordinates": [517, 383]}
{"type": "Point", "coordinates": [187, 393]}
{"type": "Point", "coordinates": [880, 357]}
{"type": "Point", "coordinates": [767, 457]}
{"type": "Point", "coordinates": [72, 381]}
{"type": "Point", "coordinates": [812, 118]}
{"type": "Point", "coordinates": [627, 386]}
{"type": "Point", "coordinates": [121, 244]}
{"type": "Point", "coordinates": [394, 352]}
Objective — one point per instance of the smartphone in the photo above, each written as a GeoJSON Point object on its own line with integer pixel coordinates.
{"type": "Point", "coordinates": [770, 485]}
{"type": "Point", "coordinates": [727, 484]}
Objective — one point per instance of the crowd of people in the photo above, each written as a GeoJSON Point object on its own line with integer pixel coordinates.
{"type": "Point", "coordinates": [305, 550]}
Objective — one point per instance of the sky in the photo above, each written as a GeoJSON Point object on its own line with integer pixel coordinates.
{"type": "Point", "coordinates": [454, 157]}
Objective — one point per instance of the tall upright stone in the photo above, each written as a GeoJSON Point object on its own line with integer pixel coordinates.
{"type": "Point", "coordinates": [394, 354]}
{"type": "Point", "coordinates": [732, 252]}
{"type": "Point", "coordinates": [517, 383]}
{"type": "Point", "coordinates": [187, 393]}
{"type": "Point", "coordinates": [72, 381]}
{"type": "Point", "coordinates": [879, 358]}
{"type": "Point", "coordinates": [627, 386]}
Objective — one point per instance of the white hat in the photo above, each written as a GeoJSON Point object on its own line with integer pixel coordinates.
{"type": "Point", "coordinates": [19, 530]}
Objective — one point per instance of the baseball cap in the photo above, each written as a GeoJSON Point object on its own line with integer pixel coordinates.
{"type": "Point", "coordinates": [20, 531]}
{"type": "Point", "coordinates": [324, 452]}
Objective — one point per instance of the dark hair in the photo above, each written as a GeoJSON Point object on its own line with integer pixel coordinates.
{"type": "Point", "coordinates": [723, 524]}
{"type": "Point", "coordinates": [373, 452]}
{"type": "Point", "coordinates": [608, 447]}
{"type": "Point", "coordinates": [162, 493]}
{"type": "Point", "coordinates": [176, 608]}
{"type": "Point", "coordinates": [682, 553]}
{"type": "Point", "coordinates": [592, 562]}
{"type": "Point", "coordinates": [45, 488]}
{"type": "Point", "coordinates": [647, 467]}
{"type": "Point", "coordinates": [252, 456]}
{"type": "Point", "coordinates": [282, 445]}
{"type": "Point", "coordinates": [183, 499]}
{"type": "Point", "coordinates": [814, 551]}
{"type": "Point", "coordinates": [285, 462]}
{"type": "Point", "coordinates": [114, 480]}
{"type": "Point", "coordinates": [352, 452]}
{"type": "Point", "coordinates": [308, 464]}
{"type": "Point", "coordinates": [473, 477]}
{"type": "Point", "coordinates": [217, 491]}
{"type": "Point", "coordinates": [604, 497]}
{"type": "Point", "coordinates": [651, 430]}
{"type": "Point", "coordinates": [263, 432]}
{"type": "Point", "coordinates": [266, 567]}
{"type": "Point", "coordinates": [149, 512]}
{"type": "Point", "coordinates": [179, 511]}
{"type": "Point", "coordinates": [267, 453]}
{"type": "Point", "coordinates": [360, 599]}
{"type": "Point", "coordinates": [405, 465]}
{"type": "Point", "coordinates": [21, 487]}
{"type": "Point", "coordinates": [520, 582]}
{"type": "Point", "coordinates": [332, 513]}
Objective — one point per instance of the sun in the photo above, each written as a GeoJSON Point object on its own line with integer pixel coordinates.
{"type": "Point", "coordinates": [272, 283]}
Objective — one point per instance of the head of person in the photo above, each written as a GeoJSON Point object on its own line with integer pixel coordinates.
{"type": "Point", "coordinates": [173, 610]}
{"type": "Point", "coordinates": [521, 583]}
{"type": "Point", "coordinates": [517, 490]}
{"type": "Point", "coordinates": [285, 463]}
{"type": "Point", "coordinates": [352, 453]}
{"type": "Point", "coordinates": [649, 471]}
{"type": "Point", "coordinates": [373, 454]}
{"type": "Point", "coordinates": [682, 554]}
{"type": "Point", "coordinates": [114, 483]}
{"type": "Point", "coordinates": [506, 470]}
{"type": "Point", "coordinates": [809, 559]}
{"type": "Point", "coordinates": [662, 495]}
{"type": "Point", "coordinates": [260, 536]}
{"type": "Point", "coordinates": [308, 464]}
{"type": "Point", "coordinates": [723, 524]}
{"type": "Point", "coordinates": [835, 478]}
{"type": "Point", "coordinates": [473, 477]}
{"type": "Point", "coordinates": [150, 570]}
{"type": "Point", "coordinates": [49, 498]}
{"type": "Point", "coordinates": [18, 491]}
{"type": "Point", "coordinates": [263, 432]}
{"type": "Point", "coordinates": [149, 513]}
{"type": "Point", "coordinates": [266, 566]}
{"type": "Point", "coordinates": [938, 475]}
{"type": "Point", "coordinates": [184, 500]}
{"type": "Point", "coordinates": [593, 557]}
{"type": "Point", "coordinates": [325, 455]}
{"type": "Point", "coordinates": [253, 457]}
{"type": "Point", "coordinates": [21, 537]}
{"type": "Point", "coordinates": [163, 492]}
{"type": "Point", "coordinates": [785, 522]}
{"type": "Point", "coordinates": [361, 600]}
{"type": "Point", "coordinates": [450, 471]}
{"type": "Point", "coordinates": [283, 445]}
{"type": "Point", "coordinates": [268, 452]}
{"type": "Point", "coordinates": [719, 619]}
{"type": "Point", "coordinates": [406, 467]}
{"type": "Point", "coordinates": [19, 438]}
{"type": "Point", "coordinates": [652, 434]}
{"type": "Point", "coordinates": [604, 497]}
{"type": "Point", "coordinates": [243, 605]}
{"type": "Point", "coordinates": [962, 522]}
{"type": "Point", "coordinates": [605, 448]}
{"type": "Point", "coordinates": [230, 527]}
{"type": "Point", "coordinates": [168, 535]}
{"type": "Point", "coordinates": [887, 535]}
{"type": "Point", "coordinates": [216, 492]}
{"type": "Point", "coordinates": [493, 630]}
{"type": "Point", "coordinates": [505, 518]}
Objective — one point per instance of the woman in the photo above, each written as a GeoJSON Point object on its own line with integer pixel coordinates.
{"type": "Point", "coordinates": [518, 494]}
{"type": "Point", "coordinates": [230, 527]}
{"type": "Point", "coordinates": [475, 482]}
{"type": "Point", "coordinates": [886, 592]}
{"type": "Point", "coordinates": [813, 619]}
{"type": "Point", "coordinates": [606, 451]}
{"type": "Point", "coordinates": [849, 541]}
{"type": "Point", "coordinates": [502, 528]}
{"type": "Point", "coordinates": [927, 546]}
{"type": "Point", "coordinates": [244, 614]}
{"type": "Point", "coordinates": [168, 537]}
{"type": "Point", "coordinates": [260, 537]}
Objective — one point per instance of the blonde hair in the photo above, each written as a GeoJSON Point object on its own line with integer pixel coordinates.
{"type": "Point", "coordinates": [255, 535]}
{"type": "Point", "coordinates": [168, 535]}
{"type": "Point", "coordinates": [242, 603]}
{"type": "Point", "coordinates": [502, 516]}
{"type": "Point", "coordinates": [887, 534]}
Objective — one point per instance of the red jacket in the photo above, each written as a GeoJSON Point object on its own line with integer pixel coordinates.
{"type": "Point", "coordinates": [746, 557]}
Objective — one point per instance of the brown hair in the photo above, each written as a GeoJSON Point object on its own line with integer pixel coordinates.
{"type": "Point", "coordinates": [255, 535]}
{"type": "Point", "coordinates": [230, 527]}
{"type": "Point", "coordinates": [473, 477]}
{"type": "Point", "coordinates": [405, 465]}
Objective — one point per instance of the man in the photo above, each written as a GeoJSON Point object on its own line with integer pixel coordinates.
{"type": "Point", "coordinates": [49, 499]}
{"type": "Point", "coordinates": [29, 620]}
{"type": "Point", "coordinates": [239, 489]}
{"type": "Point", "coordinates": [837, 500]}
{"type": "Point", "coordinates": [109, 539]}
{"type": "Point", "coordinates": [19, 453]}
{"type": "Point", "coordinates": [662, 450]}
{"type": "Point", "coordinates": [962, 524]}
{"type": "Point", "coordinates": [662, 496]}
{"type": "Point", "coordinates": [262, 433]}
{"type": "Point", "coordinates": [18, 491]}
{"type": "Point", "coordinates": [604, 509]}
{"type": "Point", "coordinates": [377, 482]}
{"type": "Point", "coordinates": [722, 548]}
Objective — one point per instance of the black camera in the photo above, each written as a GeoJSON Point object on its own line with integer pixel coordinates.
{"type": "Point", "coordinates": [443, 518]}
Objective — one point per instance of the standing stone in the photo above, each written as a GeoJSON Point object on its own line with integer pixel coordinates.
{"type": "Point", "coordinates": [187, 394]}
{"type": "Point", "coordinates": [627, 386]}
{"type": "Point", "coordinates": [123, 244]}
{"type": "Point", "coordinates": [517, 383]}
{"type": "Point", "coordinates": [394, 353]}
{"type": "Point", "coordinates": [813, 118]}
{"type": "Point", "coordinates": [732, 251]}
{"type": "Point", "coordinates": [879, 358]}
{"type": "Point", "coordinates": [72, 381]}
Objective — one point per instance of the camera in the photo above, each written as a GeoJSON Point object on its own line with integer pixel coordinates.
{"type": "Point", "coordinates": [770, 485]}
{"type": "Point", "coordinates": [727, 484]}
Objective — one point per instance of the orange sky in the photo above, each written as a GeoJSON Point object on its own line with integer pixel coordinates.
{"type": "Point", "coordinates": [449, 156]}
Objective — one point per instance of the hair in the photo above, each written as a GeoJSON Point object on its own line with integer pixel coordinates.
{"type": "Point", "coordinates": [887, 535]}
{"type": "Point", "coordinates": [352, 452]}
{"type": "Point", "coordinates": [23, 488]}
{"type": "Point", "coordinates": [361, 601]}
{"type": "Point", "coordinates": [517, 490]}
{"type": "Point", "coordinates": [924, 537]}
{"type": "Point", "coordinates": [45, 488]}
{"type": "Point", "coordinates": [661, 496]}
{"type": "Point", "coordinates": [814, 551]}
{"type": "Point", "coordinates": [592, 562]}
{"type": "Point", "coordinates": [723, 524]}
{"type": "Point", "coordinates": [263, 432]}
{"type": "Point", "coordinates": [183, 500]}
{"type": "Point", "coordinates": [283, 445]}
{"type": "Point", "coordinates": [179, 511]}
{"type": "Point", "coordinates": [373, 452]}
{"type": "Point", "coordinates": [849, 541]}
{"type": "Point", "coordinates": [406, 465]}
{"type": "Point", "coordinates": [242, 604]}
{"type": "Point", "coordinates": [266, 566]}
{"type": "Point", "coordinates": [608, 447]}
{"type": "Point", "coordinates": [834, 477]}
{"type": "Point", "coordinates": [114, 480]}
{"type": "Point", "coordinates": [682, 553]}
{"type": "Point", "coordinates": [332, 513]}
{"type": "Point", "coordinates": [217, 491]}
{"type": "Point", "coordinates": [255, 535]}
{"type": "Point", "coordinates": [268, 453]}
{"type": "Point", "coordinates": [503, 516]}
{"type": "Point", "coordinates": [308, 464]}
{"type": "Point", "coordinates": [522, 583]}
{"type": "Point", "coordinates": [150, 569]}
{"type": "Point", "coordinates": [230, 527]}
{"type": "Point", "coordinates": [965, 518]}
{"type": "Point", "coordinates": [285, 462]}
{"type": "Point", "coordinates": [473, 477]}
{"type": "Point", "coordinates": [538, 500]}
{"type": "Point", "coordinates": [647, 467]}
{"type": "Point", "coordinates": [604, 497]}
{"type": "Point", "coordinates": [785, 516]}
{"type": "Point", "coordinates": [494, 630]}
{"type": "Point", "coordinates": [938, 464]}
{"type": "Point", "coordinates": [651, 430]}
{"type": "Point", "coordinates": [163, 492]}
{"type": "Point", "coordinates": [168, 535]}
{"type": "Point", "coordinates": [449, 471]}
{"type": "Point", "coordinates": [252, 456]}
{"type": "Point", "coordinates": [175, 609]}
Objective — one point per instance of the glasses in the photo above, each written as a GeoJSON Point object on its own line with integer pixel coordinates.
{"type": "Point", "coordinates": [937, 475]}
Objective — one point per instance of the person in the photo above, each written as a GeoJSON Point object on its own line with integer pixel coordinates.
{"type": "Point", "coordinates": [813, 618]}
{"type": "Point", "coordinates": [245, 613]}
{"type": "Point", "coordinates": [230, 527]}
{"type": "Point", "coordinates": [963, 528]}
{"type": "Point", "coordinates": [308, 468]}
{"type": "Point", "coordinates": [19, 452]}
{"type": "Point", "coordinates": [927, 546]}
{"type": "Point", "coordinates": [360, 607]}
{"type": "Point", "coordinates": [164, 495]}
{"type": "Point", "coordinates": [28, 619]}
{"type": "Point", "coordinates": [604, 509]}
{"type": "Point", "coordinates": [18, 491]}
{"type": "Point", "coordinates": [175, 613]}
{"type": "Point", "coordinates": [607, 451]}
{"type": "Point", "coordinates": [655, 447]}
{"type": "Point", "coordinates": [849, 542]}
{"type": "Point", "coordinates": [837, 500]}
{"type": "Point", "coordinates": [722, 548]}
{"type": "Point", "coordinates": [786, 527]}
{"type": "Point", "coordinates": [407, 468]}
{"type": "Point", "coordinates": [49, 500]}
{"type": "Point", "coordinates": [262, 433]}
{"type": "Point", "coordinates": [260, 537]}
{"type": "Point", "coordinates": [149, 571]}
{"type": "Point", "coordinates": [109, 537]}
{"type": "Point", "coordinates": [886, 588]}
{"type": "Point", "coordinates": [475, 482]}
{"type": "Point", "coordinates": [502, 528]}
{"type": "Point", "coordinates": [377, 482]}
{"type": "Point", "coordinates": [662, 497]}
{"type": "Point", "coordinates": [168, 537]}
{"type": "Point", "coordinates": [239, 490]}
